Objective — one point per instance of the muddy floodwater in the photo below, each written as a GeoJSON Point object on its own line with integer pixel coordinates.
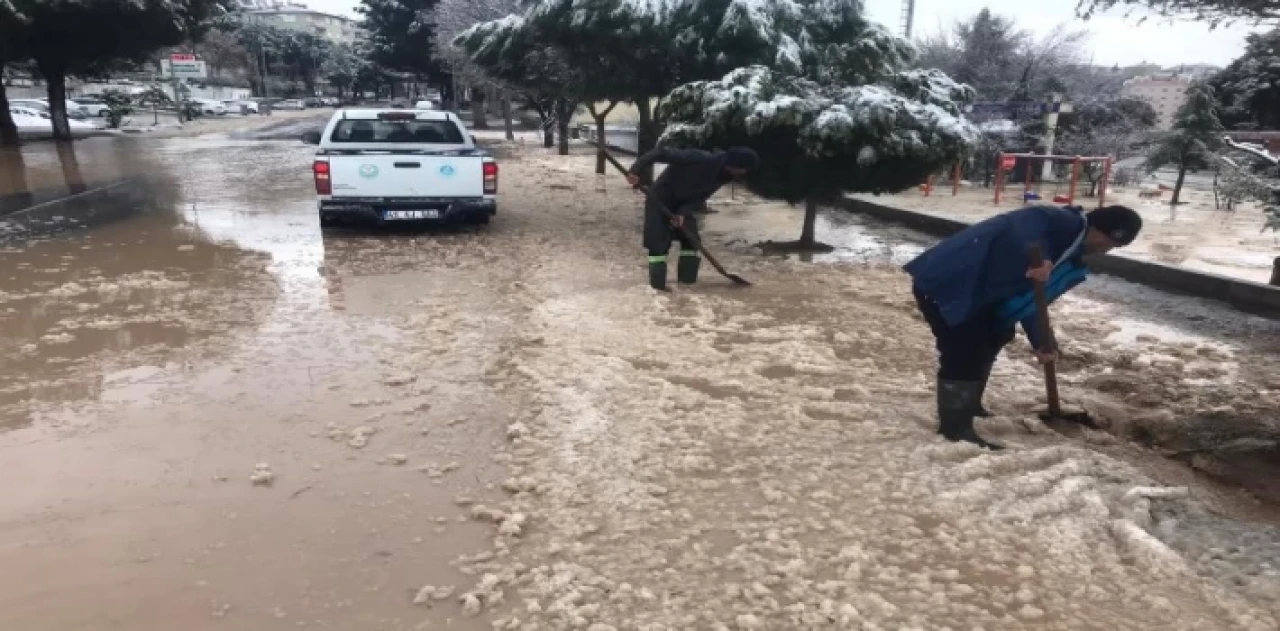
{"type": "Point", "coordinates": [216, 416]}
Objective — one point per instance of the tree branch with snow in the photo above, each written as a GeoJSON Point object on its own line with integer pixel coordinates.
{"type": "Point", "coordinates": [817, 141]}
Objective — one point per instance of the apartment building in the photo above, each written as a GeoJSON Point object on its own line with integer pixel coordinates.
{"type": "Point", "coordinates": [1165, 93]}
{"type": "Point", "coordinates": [298, 16]}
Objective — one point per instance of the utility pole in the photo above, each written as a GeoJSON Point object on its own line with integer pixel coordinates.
{"type": "Point", "coordinates": [1054, 107]}
{"type": "Point", "coordinates": [908, 17]}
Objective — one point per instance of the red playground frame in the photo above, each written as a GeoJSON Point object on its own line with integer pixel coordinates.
{"type": "Point", "coordinates": [1007, 161]}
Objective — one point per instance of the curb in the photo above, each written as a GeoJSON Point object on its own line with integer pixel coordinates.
{"type": "Point", "coordinates": [1244, 295]}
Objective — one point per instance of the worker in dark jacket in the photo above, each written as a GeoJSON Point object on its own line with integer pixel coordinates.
{"type": "Point", "coordinates": [973, 287]}
{"type": "Point", "coordinates": [691, 177]}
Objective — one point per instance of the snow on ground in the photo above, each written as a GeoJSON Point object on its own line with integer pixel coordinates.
{"type": "Point", "coordinates": [765, 459]}
{"type": "Point", "coordinates": [1194, 236]}
{"type": "Point", "coordinates": [579, 452]}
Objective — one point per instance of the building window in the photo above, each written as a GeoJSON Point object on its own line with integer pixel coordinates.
{"type": "Point", "coordinates": [288, 18]}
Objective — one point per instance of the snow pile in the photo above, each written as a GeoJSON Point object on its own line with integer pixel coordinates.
{"type": "Point", "coordinates": [815, 138]}
{"type": "Point", "coordinates": [734, 461]}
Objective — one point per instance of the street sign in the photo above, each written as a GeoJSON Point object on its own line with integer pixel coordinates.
{"type": "Point", "coordinates": [182, 57]}
{"type": "Point", "coordinates": [183, 69]}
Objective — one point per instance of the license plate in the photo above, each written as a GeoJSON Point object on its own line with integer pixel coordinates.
{"type": "Point", "coordinates": [411, 214]}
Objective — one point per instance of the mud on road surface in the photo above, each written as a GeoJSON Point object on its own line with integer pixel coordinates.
{"type": "Point", "coordinates": [224, 418]}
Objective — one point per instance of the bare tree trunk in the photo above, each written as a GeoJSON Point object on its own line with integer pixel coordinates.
{"type": "Point", "coordinates": [807, 238]}
{"type": "Point", "coordinates": [506, 115]}
{"type": "Point", "coordinates": [548, 134]}
{"type": "Point", "coordinates": [71, 167]}
{"type": "Point", "coordinates": [8, 129]}
{"type": "Point", "coordinates": [478, 120]}
{"type": "Point", "coordinates": [601, 143]}
{"type": "Point", "coordinates": [57, 81]}
{"type": "Point", "coordinates": [645, 141]}
{"type": "Point", "coordinates": [15, 194]}
{"type": "Point", "coordinates": [493, 99]}
{"type": "Point", "coordinates": [564, 115]}
{"type": "Point", "coordinates": [1177, 186]}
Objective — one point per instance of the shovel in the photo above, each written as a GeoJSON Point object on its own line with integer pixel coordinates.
{"type": "Point", "coordinates": [696, 243]}
{"type": "Point", "coordinates": [1054, 412]}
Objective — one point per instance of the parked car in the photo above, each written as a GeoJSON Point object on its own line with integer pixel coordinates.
{"type": "Point", "coordinates": [208, 107]}
{"type": "Point", "coordinates": [314, 101]}
{"type": "Point", "coordinates": [425, 105]}
{"type": "Point", "coordinates": [91, 106]}
{"type": "Point", "coordinates": [74, 112]}
{"type": "Point", "coordinates": [290, 104]}
{"type": "Point", "coordinates": [331, 101]}
{"type": "Point", "coordinates": [35, 125]}
{"type": "Point", "coordinates": [236, 106]}
{"type": "Point", "coordinates": [397, 166]}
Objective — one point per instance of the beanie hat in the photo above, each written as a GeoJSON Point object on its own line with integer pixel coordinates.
{"type": "Point", "coordinates": [742, 158]}
{"type": "Point", "coordinates": [1120, 223]}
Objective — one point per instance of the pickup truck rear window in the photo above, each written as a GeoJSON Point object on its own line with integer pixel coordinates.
{"type": "Point", "coordinates": [409, 132]}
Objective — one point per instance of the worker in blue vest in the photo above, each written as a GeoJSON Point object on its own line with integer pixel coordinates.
{"type": "Point", "coordinates": [973, 287]}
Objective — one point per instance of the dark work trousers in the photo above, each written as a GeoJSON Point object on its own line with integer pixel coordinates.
{"type": "Point", "coordinates": [968, 349]}
{"type": "Point", "coordinates": [659, 233]}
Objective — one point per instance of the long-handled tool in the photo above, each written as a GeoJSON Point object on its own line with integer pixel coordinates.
{"type": "Point", "coordinates": [1054, 412]}
{"type": "Point", "coordinates": [689, 239]}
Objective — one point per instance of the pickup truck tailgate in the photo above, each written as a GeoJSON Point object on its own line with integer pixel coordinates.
{"type": "Point", "coordinates": [407, 175]}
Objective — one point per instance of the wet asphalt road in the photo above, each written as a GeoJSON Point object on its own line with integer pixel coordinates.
{"type": "Point", "coordinates": [153, 360]}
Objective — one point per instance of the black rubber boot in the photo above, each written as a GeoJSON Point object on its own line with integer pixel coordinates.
{"type": "Point", "coordinates": [658, 276]}
{"type": "Point", "coordinates": [956, 404]}
{"type": "Point", "coordinates": [687, 269]}
{"type": "Point", "coordinates": [981, 410]}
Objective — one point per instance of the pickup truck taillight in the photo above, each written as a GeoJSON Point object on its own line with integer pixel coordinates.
{"type": "Point", "coordinates": [324, 186]}
{"type": "Point", "coordinates": [491, 178]}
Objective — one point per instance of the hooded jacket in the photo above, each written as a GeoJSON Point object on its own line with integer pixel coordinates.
{"type": "Point", "coordinates": [691, 178]}
{"type": "Point", "coordinates": [984, 266]}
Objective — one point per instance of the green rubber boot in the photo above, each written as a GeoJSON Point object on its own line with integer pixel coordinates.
{"type": "Point", "coordinates": [687, 268]}
{"type": "Point", "coordinates": [658, 273]}
{"type": "Point", "coordinates": [957, 403]}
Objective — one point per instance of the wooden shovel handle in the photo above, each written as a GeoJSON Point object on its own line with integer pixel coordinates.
{"type": "Point", "coordinates": [1045, 329]}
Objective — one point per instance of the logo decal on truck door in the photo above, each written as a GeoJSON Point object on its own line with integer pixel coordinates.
{"type": "Point", "coordinates": [369, 171]}
{"type": "Point", "coordinates": [447, 170]}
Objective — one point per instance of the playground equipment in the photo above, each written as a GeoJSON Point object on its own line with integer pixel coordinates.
{"type": "Point", "coordinates": [1032, 190]}
{"type": "Point", "coordinates": [928, 187]}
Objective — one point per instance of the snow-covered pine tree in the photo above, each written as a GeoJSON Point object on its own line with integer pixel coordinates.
{"type": "Point", "coordinates": [819, 141]}
{"type": "Point", "coordinates": [510, 51]}
{"type": "Point", "coordinates": [1196, 134]}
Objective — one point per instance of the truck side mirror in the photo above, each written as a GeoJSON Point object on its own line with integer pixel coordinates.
{"type": "Point", "coordinates": [311, 137]}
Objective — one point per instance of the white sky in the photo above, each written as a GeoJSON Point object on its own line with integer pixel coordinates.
{"type": "Point", "coordinates": [1115, 39]}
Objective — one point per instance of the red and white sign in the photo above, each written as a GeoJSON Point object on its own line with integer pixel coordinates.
{"type": "Point", "coordinates": [181, 57]}
{"type": "Point", "coordinates": [1008, 162]}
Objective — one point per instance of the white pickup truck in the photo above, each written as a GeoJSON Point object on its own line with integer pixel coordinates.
{"type": "Point", "coordinates": [399, 165]}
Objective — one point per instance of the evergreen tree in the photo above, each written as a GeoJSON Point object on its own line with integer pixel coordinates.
{"type": "Point", "coordinates": [400, 35]}
{"type": "Point", "coordinates": [1249, 88]}
{"type": "Point", "coordinates": [1002, 62]}
{"type": "Point", "coordinates": [819, 141]}
{"type": "Point", "coordinates": [1196, 134]}
{"type": "Point", "coordinates": [84, 38]}
{"type": "Point", "coordinates": [512, 50]}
